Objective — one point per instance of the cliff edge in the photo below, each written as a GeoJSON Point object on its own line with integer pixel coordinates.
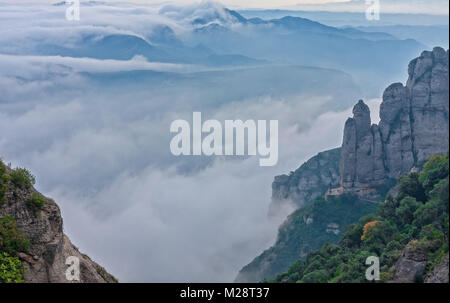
{"type": "Point", "coordinates": [414, 121]}
{"type": "Point", "coordinates": [40, 243]}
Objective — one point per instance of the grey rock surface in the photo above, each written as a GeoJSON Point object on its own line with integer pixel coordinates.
{"type": "Point", "coordinates": [45, 261]}
{"type": "Point", "coordinates": [308, 182]}
{"type": "Point", "coordinates": [414, 120]}
{"type": "Point", "coordinates": [410, 267]}
{"type": "Point", "coordinates": [413, 126]}
{"type": "Point", "coordinates": [439, 273]}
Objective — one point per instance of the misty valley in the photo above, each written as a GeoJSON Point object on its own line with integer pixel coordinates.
{"type": "Point", "coordinates": [238, 137]}
{"type": "Point", "coordinates": [200, 141]}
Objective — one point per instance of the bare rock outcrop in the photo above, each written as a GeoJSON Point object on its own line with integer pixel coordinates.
{"type": "Point", "coordinates": [439, 273]}
{"type": "Point", "coordinates": [414, 120]}
{"type": "Point", "coordinates": [413, 126]}
{"type": "Point", "coordinates": [310, 181]}
{"type": "Point", "coordinates": [410, 267]}
{"type": "Point", "coordinates": [45, 261]}
{"type": "Point", "coordinates": [361, 163]}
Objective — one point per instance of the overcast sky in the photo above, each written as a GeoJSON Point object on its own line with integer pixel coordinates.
{"type": "Point", "coordinates": [387, 6]}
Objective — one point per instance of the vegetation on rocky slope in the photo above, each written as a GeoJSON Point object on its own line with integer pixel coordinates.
{"type": "Point", "coordinates": [11, 269]}
{"type": "Point", "coordinates": [305, 230]}
{"type": "Point", "coordinates": [12, 240]}
{"type": "Point", "coordinates": [33, 246]}
{"type": "Point", "coordinates": [3, 182]}
{"type": "Point", "coordinates": [416, 218]}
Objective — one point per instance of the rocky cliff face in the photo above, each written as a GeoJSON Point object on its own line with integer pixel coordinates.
{"type": "Point", "coordinates": [308, 182]}
{"type": "Point", "coordinates": [414, 121]}
{"type": "Point", "coordinates": [45, 261]}
{"type": "Point", "coordinates": [413, 127]}
{"type": "Point", "coordinates": [411, 266]}
{"type": "Point", "coordinates": [440, 272]}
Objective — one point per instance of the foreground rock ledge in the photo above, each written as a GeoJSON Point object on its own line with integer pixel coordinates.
{"type": "Point", "coordinates": [45, 261]}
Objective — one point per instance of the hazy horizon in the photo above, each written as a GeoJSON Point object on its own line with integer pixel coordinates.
{"type": "Point", "coordinates": [87, 106]}
{"type": "Point", "coordinates": [434, 7]}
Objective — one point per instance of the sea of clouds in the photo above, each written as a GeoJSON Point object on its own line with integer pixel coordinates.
{"type": "Point", "coordinates": [100, 147]}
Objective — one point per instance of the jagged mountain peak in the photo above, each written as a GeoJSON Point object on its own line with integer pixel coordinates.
{"type": "Point", "coordinates": [203, 14]}
{"type": "Point", "coordinates": [413, 127]}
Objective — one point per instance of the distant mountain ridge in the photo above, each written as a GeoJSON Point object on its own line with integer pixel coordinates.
{"type": "Point", "coordinates": [295, 40]}
{"type": "Point", "coordinates": [217, 36]}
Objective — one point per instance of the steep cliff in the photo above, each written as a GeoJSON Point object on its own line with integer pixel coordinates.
{"type": "Point", "coordinates": [408, 237]}
{"type": "Point", "coordinates": [310, 181]}
{"type": "Point", "coordinates": [414, 120]}
{"type": "Point", "coordinates": [305, 230]}
{"type": "Point", "coordinates": [413, 126]}
{"type": "Point", "coordinates": [39, 222]}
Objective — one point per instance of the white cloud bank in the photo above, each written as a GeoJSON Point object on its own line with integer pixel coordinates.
{"type": "Point", "coordinates": [100, 149]}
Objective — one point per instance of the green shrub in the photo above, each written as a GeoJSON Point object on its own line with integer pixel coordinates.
{"type": "Point", "coordinates": [427, 214]}
{"type": "Point", "coordinates": [429, 232]}
{"type": "Point", "coordinates": [387, 209]}
{"type": "Point", "coordinates": [368, 218]}
{"type": "Point", "coordinates": [352, 237]}
{"type": "Point", "coordinates": [2, 168]}
{"type": "Point", "coordinates": [3, 182]}
{"type": "Point", "coordinates": [440, 192]}
{"type": "Point", "coordinates": [433, 171]}
{"type": "Point", "coordinates": [11, 269]}
{"type": "Point", "coordinates": [3, 189]}
{"type": "Point", "coordinates": [319, 276]}
{"type": "Point", "coordinates": [417, 216]}
{"type": "Point", "coordinates": [11, 238]}
{"type": "Point", "coordinates": [21, 177]}
{"type": "Point", "coordinates": [35, 202]}
{"type": "Point", "coordinates": [380, 234]}
{"type": "Point", "coordinates": [411, 186]}
{"type": "Point", "coordinates": [407, 208]}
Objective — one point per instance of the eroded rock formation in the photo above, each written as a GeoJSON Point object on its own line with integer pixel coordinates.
{"type": "Point", "coordinates": [414, 121]}
{"type": "Point", "coordinates": [45, 260]}
{"type": "Point", "coordinates": [413, 127]}
{"type": "Point", "coordinates": [308, 182]}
